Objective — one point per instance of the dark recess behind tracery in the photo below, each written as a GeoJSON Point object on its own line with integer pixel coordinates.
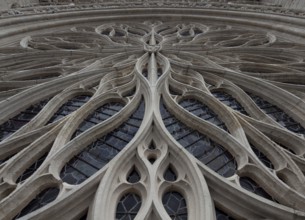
{"type": "Point", "coordinates": [100, 152]}
{"type": "Point", "coordinates": [203, 148]}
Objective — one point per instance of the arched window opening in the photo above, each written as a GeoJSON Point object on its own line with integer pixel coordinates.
{"type": "Point", "coordinates": [203, 148]}
{"type": "Point", "coordinates": [185, 33]}
{"type": "Point", "coordinates": [174, 91]}
{"type": "Point", "coordinates": [250, 185]}
{"type": "Point", "coordinates": [100, 114]}
{"type": "Point", "coordinates": [133, 176]}
{"type": "Point", "coordinates": [29, 171]}
{"type": "Point", "coordinates": [5, 159]}
{"type": "Point", "coordinates": [286, 148]}
{"type": "Point", "coordinates": [84, 216]}
{"type": "Point", "coordinates": [152, 159]}
{"type": "Point", "coordinates": [100, 152]}
{"type": "Point", "coordinates": [175, 205]}
{"type": "Point", "coordinates": [220, 215]}
{"type": "Point", "coordinates": [128, 207]}
{"type": "Point", "coordinates": [262, 157]}
{"type": "Point", "coordinates": [13, 124]}
{"type": "Point", "coordinates": [170, 175]}
{"type": "Point", "coordinates": [42, 199]}
{"type": "Point", "coordinates": [145, 71]}
{"type": "Point", "coordinates": [197, 31]}
{"type": "Point", "coordinates": [202, 111]}
{"type": "Point", "coordinates": [69, 107]}
{"type": "Point", "coordinates": [159, 71]}
{"type": "Point", "coordinates": [277, 114]}
{"type": "Point", "coordinates": [228, 100]}
{"type": "Point", "coordinates": [131, 92]}
{"type": "Point", "coordinates": [152, 146]}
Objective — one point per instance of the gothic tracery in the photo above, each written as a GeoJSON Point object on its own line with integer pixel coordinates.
{"type": "Point", "coordinates": [153, 120]}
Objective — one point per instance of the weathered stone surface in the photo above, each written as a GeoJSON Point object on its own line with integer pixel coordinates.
{"type": "Point", "coordinates": [152, 110]}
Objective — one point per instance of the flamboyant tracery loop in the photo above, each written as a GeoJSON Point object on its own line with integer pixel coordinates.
{"type": "Point", "coordinates": [151, 120]}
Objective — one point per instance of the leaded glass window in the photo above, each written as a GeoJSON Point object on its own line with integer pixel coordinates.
{"type": "Point", "coordinates": [175, 205]}
{"type": "Point", "coordinates": [160, 109]}
{"type": "Point", "coordinates": [128, 207]}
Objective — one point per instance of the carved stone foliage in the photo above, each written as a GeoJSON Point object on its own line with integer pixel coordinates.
{"type": "Point", "coordinates": [153, 120]}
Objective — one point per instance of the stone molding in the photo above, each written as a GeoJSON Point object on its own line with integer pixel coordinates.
{"type": "Point", "coordinates": [159, 58]}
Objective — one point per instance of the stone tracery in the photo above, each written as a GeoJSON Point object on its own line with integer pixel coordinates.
{"type": "Point", "coordinates": [152, 68]}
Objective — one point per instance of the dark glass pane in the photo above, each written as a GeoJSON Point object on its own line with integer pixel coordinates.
{"type": "Point", "coordinates": [185, 33]}
{"type": "Point", "coordinates": [152, 146]}
{"type": "Point", "coordinates": [100, 152]}
{"type": "Point", "coordinates": [278, 115]}
{"type": "Point", "coordinates": [134, 176]}
{"type": "Point", "coordinates": [262, 157]}
{"type": "Point", "coordinates": [173, 91]}
{"type": "Point", "coordinates": [286, 148]}
{"type": "Point", "coordinates": [228, 100]}
{"type": "Point", "coordinates": [250, 185]}
{"type": "Point", "coordinates": [106, 32]}
{"type": "Point", "coordinates": [220, 215]}
{"type": "Point", "coordinates": [152, 160]}
{"type": "Point", "coordinates": [175, 205]}
{"type": "Point", "coordinates": [202, 111]}
{"type": "Point", "coordinates": [13, 124]}
{"type": "Point", "coordinates": [203, 148]}
{"type": "Point", "coordinates": [170, 175]}
{"type": "Point", "coordinates": [29, 171]}
{"type": "Point", "coordinates": [5, 159]}
{"type": "Point", "coordinates": [84, 217]}
{"type": "Point", "coordinates": [69, 107]}
{"type": "Point", "coordinates": [197, 31]}
{"type": "Point", "coordinates": [159, 71]}
{"type": "Point", "coordinates": [42, 199]}
{"type": "Point", "coordinates": [119, 34]}
{"type": "Point", "coordinates": [128, 207]}
{"type": "Point", "coordinates": [100, 114]}
{"type": "Point", "coordinates": [145, 72]}
{"type": "Point", "coordinates": [131, 92]}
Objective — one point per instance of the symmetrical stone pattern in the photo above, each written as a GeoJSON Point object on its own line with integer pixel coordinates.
{"type": "Point", "coordinates": [272, 7]}
{"type": "Point", "coordinates": [153, 119]}
{"type": "Point", "coordinates": [292, 4]}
